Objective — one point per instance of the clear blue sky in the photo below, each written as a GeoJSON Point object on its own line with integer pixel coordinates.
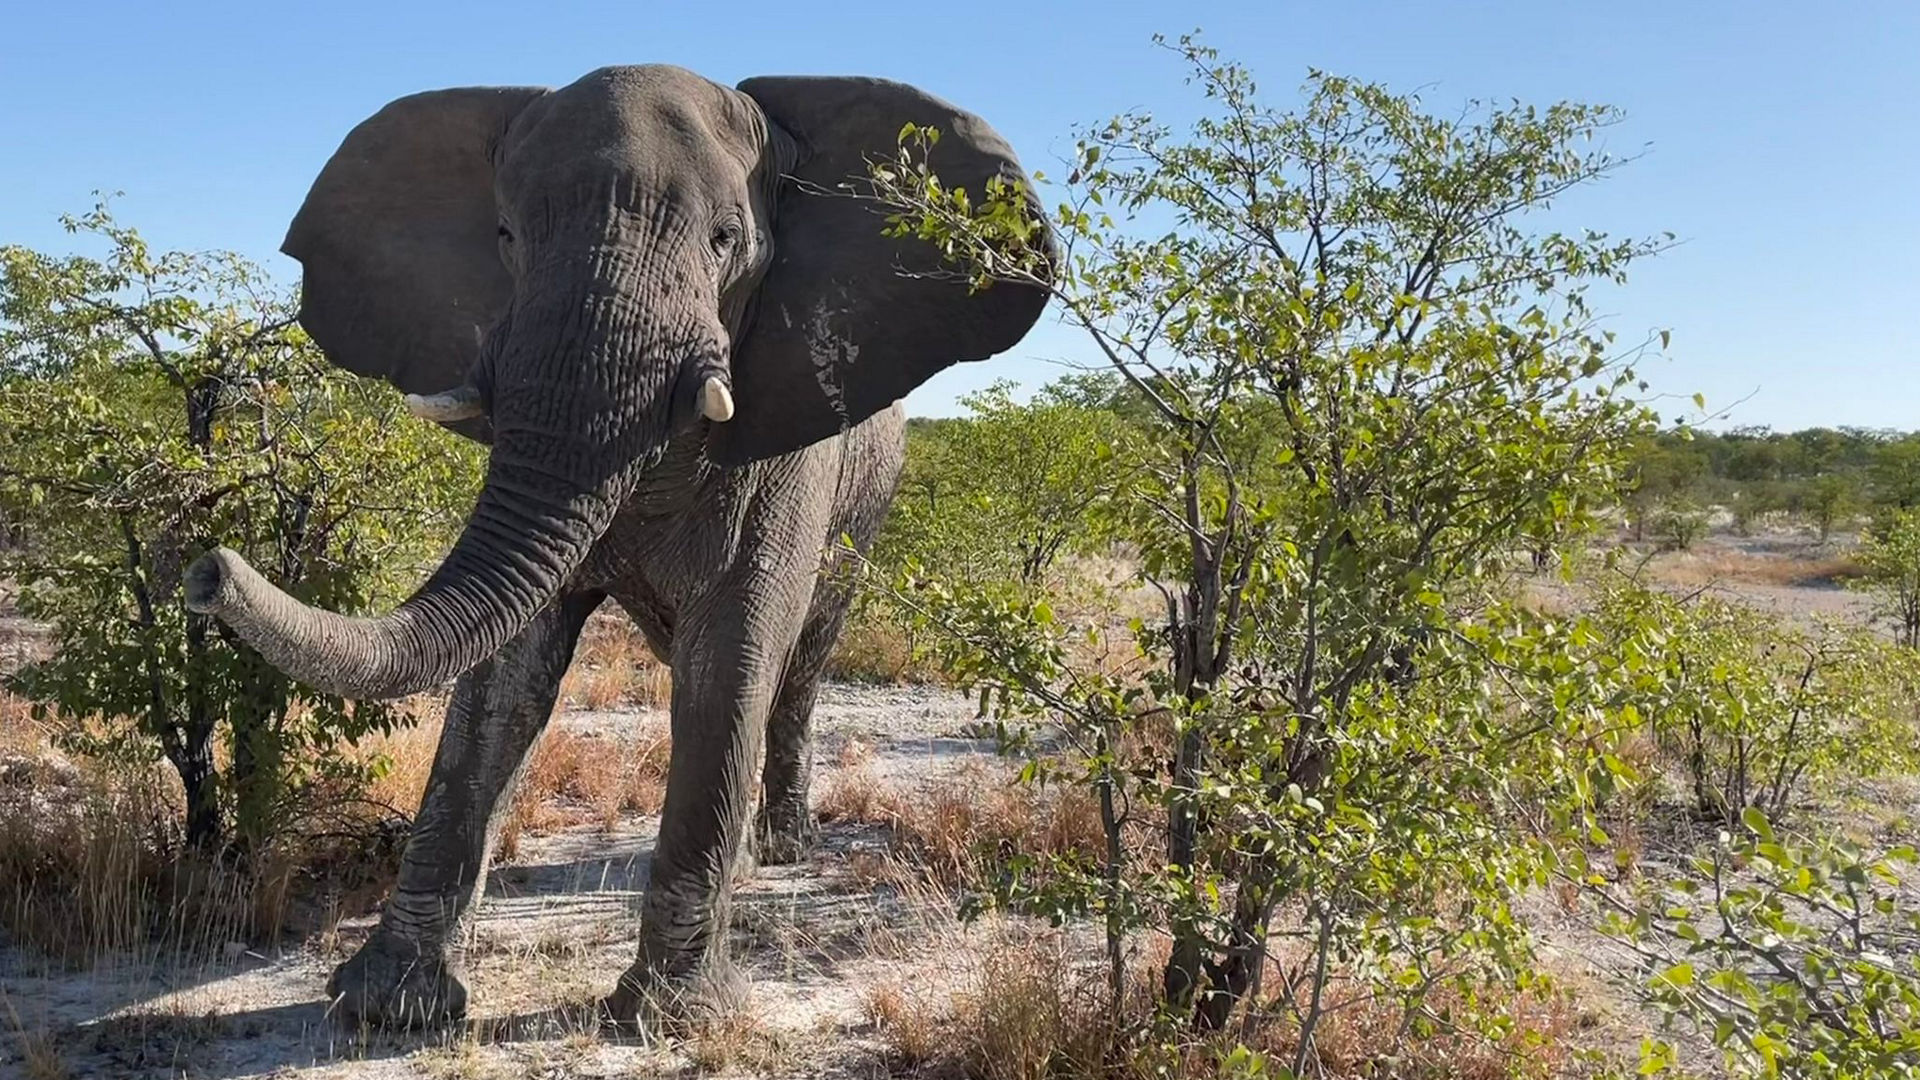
{"type": "Point", "coordinates": [1781, 138]}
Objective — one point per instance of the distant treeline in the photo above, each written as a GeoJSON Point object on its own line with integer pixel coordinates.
{"type": "Point", "coordinates": [1826, 476]}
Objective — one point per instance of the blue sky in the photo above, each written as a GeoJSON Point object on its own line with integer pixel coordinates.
{"type": "Point", "coordinates": [1779, 138]}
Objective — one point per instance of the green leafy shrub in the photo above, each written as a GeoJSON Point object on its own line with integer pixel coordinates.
{"type": "Point", "coordinates": [153, 405]}
{"type": "Point", "coordinates": [1755, 711]}
{"type": "Point", "coordinates": [1890, 555]}
{"type": "Point", "coordinates": [1004, 491]}
{"type": "Point", "coordinates": [1796, 957]}
{"type": "Point", "coordinates": [1679, 525]}
{"type": "Point", "coordinates": [997, 497]}
{"type": "Point", "coordinates": [1357, 381]}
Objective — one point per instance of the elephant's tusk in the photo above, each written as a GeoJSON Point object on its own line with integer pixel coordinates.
{"type": "Point", "coordinates": [460, 403]}
{"type": "Point", "coordinates": [716, 401]}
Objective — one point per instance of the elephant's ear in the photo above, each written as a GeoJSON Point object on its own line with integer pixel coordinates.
{"type": "Point", "coordinates": [398, 239]}
{"type": "Point", "coordinates": [842, 327]}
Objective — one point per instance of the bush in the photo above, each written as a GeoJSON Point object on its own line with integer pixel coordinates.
{"type": "Point", "coordinates": [1755, 711]}
{"type": "Point", "coordinates": [1679, 525]}
{"type": "Point", "coordinates": [155, 405]}
{"type": "Point", "coordinates": [1796, 957]}
{"type": "Point", "coordinates": [1003, 492]}
{"type": "Point", "coordinates": [1338, 435]}
{"type": "Point", "coordinates": [1890, 557]}
{"type": "Point", "coordinates": [1024, 1007]}
{"type": "Point", "coordinates": [996, 496]}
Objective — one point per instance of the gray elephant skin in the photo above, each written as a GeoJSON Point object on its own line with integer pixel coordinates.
{"type": "Point", "coordinates": [653, 297]}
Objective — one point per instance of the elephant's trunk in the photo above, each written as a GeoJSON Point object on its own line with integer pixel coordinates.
{"type": "Point", "coordinates": [573, 425]}
{"type": "Point", "coordinates": [514, 554]}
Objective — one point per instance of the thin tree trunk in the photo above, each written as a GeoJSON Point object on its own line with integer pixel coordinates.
{"type": "Point", "coordinates": [1110, 873]}
{"type": "Point", "coordinates": [1230, 980]}
{"type": "Point", "coordinates": [1181, 979]}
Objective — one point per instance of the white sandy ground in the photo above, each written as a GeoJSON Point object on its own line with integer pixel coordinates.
{"type": "Point", "coordinates": [557, 927]}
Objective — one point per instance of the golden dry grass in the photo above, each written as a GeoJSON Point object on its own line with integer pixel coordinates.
{"type": "Point", "coordinates": [737, 1042]}
{"type": "Point", "coordinates": [874, 648]}
{"type": "Point", "coordinates": [1711, 563]}
{"type": "Point", "coordinates": [572, 778]}
{"type": "Point", "coordinates": [94, 863]}
{"type": "Point", "coordinates": [954, 831]}
{"type": "Point", "coordinates": [1032, 1003]}
{"type": "Point", "coordinates": [580, 779]}
{"type": "Point", "coordinates": [406, 757]}
{"type": "Point", "coordinates": [614, 667]}
{"type": "Point", "coordinates": [1028, 1005]}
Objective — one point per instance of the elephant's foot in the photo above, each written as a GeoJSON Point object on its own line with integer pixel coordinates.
{"type": "Point", "coordinates": [393, 982]}
{"type": "Point", "coordinates": [648, 1000]}
{"type": "Point", "coordinates": [784, 839]}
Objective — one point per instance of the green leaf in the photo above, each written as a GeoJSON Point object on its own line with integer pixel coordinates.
{"type": "Point", "coordinates": [1679, 976]}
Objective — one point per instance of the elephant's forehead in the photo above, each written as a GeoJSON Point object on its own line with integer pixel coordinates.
{"type": "Point", "coordinates": [655, 123]}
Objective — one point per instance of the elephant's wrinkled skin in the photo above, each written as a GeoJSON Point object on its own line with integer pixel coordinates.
{"type": "Point", "coordinates": [685, 344]}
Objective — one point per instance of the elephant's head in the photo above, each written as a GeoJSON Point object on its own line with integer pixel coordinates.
{"type": "Point", "coordinates": [577, 276]}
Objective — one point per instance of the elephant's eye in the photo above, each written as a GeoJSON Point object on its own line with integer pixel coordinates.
{"type": "Point", "coordinates": [725, 236]}
{"type": "Point", "coordinates": [506, 233]}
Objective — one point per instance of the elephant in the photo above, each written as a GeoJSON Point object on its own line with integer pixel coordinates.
{"type": "Point", "coordinates": [683, 333]}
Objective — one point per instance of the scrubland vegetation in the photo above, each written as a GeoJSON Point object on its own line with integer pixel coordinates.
{"type": "Point", "coordinates": [1357, 646]}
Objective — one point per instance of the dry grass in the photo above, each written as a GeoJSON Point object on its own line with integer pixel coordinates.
{"type": "Point", "coordinates": [1018, 1007]}
{"type": "Point", "coordinates": [739, 1043]}
{"type": "Point", "coordinates": [580, 779]}
{"type": "Point", "coordinates": [1030, 1006]}
{"type": "Point", "coordinates": [1712, 563]}
{"type": "Point", "coordinates": [1033, 1003]}
{"type": "Point", "coordinates": [874, 648]}
{"type": "Point", "coordinates": [96, 867]}
{"type": "Point", "coordinates": [94, 863]}
{"type": "Point", "coordinates": [956, 831]}
{"type": "Point", "coordinates": [36, 1048]}
{"type": "Point", "coordinates": [87, 856]}
{"type": "Point", "coordinates": [573, 778]}
{"type": "Point", "coordinates": [406, 758]}
{"type": "Point", "coordinates": [614, 667]}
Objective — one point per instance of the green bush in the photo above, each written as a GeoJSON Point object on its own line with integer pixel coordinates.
{"type": "Point", "coordinates": [1679, 525]}
{"type": "Point", "coordinates": [1798, 958]}
{"type": "Point", "coordinates": [1890, 555]}
{"type": "Point", "coordinates": [1754, 710]}
{"type": "Point", "coordinates": [153, 405]}
{"type": "Point", "coordinates": [1004, 491]}
{"type": "Point", "coordinates": [1341, 436]}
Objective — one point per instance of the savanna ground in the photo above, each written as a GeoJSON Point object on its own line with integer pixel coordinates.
{"type": "Point", "coordinates": [859, 961]}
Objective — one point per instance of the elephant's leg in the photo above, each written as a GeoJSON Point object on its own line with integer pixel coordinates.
{"type": "Point", "coordinates": [403, 974]}
{"type": "Point", "coordinates": [728, 663]}
{"type": "Point", "coordinates": [784, 830]}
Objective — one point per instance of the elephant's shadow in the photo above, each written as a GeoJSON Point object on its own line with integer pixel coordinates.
{"type": "Point", "coordinates": [784, 918]}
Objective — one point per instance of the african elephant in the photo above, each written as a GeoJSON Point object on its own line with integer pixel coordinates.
{"type": "Point", "coordinates": [684, 341]}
